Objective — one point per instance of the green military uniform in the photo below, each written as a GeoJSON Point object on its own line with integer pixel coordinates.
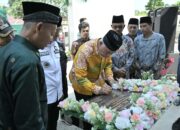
{"type": "Point", "coordinates": [23, 101]}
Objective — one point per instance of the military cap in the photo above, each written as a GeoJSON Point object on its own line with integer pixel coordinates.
{"type": "Point", "coordinates": [5, 27]}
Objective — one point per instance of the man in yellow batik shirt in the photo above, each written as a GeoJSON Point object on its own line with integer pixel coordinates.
{"type": "Point", "coordinates": [92, 58]}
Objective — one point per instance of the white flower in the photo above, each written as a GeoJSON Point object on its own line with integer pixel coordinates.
{"type": "Point", "coordinates": [144, 117]}
{"type": "Point", "coordinates": [137, 110]}
{"type": "Point", "coordinates": [125, 113]}
{"type": "Point", "coordinates": [89, 115]}
{"type": "Point", "coordinates": [147, 96]}
{"type": "Point", "coordinates": [122, 123]}
{"type": "Point", "coordinates": [146, 124]}
{"type": "Point", "coordinates": [158, 88]}
{"type": "Point", "coordinates": [115, 86]}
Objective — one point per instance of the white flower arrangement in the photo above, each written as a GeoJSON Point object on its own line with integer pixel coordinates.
{"type": "Point", "coordinates": [146, 107]}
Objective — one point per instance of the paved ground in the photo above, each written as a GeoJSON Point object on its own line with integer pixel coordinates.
{"type": "Point", "coordinates": [164, 123]}
{"type": "Point", "coordinates": [64, 126]}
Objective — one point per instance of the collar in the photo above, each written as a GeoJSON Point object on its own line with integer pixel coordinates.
{"type": "Point", "coordinates": [21, 40]}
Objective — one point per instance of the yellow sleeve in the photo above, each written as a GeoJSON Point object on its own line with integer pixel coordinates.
{"type": "Point", "coordinates": [108, 69]}
{"type": "Point", "coordinates": [80, 69]}
{"type": "Point", "coordinates": [73, 50]}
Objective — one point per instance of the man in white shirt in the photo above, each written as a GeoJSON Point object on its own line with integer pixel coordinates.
{"type": "Point", "coordinates": [50, 60]}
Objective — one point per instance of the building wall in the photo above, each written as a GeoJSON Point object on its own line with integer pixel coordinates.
{"type": "Point", "coordinates": [99, 14]}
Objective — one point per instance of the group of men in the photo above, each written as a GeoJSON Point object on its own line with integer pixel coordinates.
{"type": "Point", "coordinates": [95, 71]}
{"type": "Point", "coordinates": [33, 64]}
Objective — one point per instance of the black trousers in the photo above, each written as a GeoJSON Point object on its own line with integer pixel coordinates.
{"type": "Point", "coordinates": [81, 96]}
{"type": "Point", "coordinates": [53, 115]}
{"type": "Point", "coordinates": [75, 121]}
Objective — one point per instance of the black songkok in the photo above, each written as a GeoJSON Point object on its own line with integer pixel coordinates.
{"type": "Point", "coordinates": [112, 40]}
{"type": "Point", "coordinates": [146, 19]}
{"type": "Point", "coordinates": [133, 21]}
{"type": "Point", "coordinates": [118, 19]}
{"type": "Point", "coordinates": [40, 12]}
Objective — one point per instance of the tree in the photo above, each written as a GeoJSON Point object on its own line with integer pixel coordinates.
{"type": "Point", "coordinates": [3, 11]}
{"type": "Point", "coordinates": [16, 7]}
{"type": "Point", "coordinates": [154, 4]}
{"type": "Point", "coordinates": [140, 13]}
{"type": "Point", "coordinates": [177, 3]}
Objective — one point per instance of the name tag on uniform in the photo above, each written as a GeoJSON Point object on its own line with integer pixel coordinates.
{"type": "Point", "coordinates": [56, 49]}
{"type": "Point", "coordinates": [44, 53]}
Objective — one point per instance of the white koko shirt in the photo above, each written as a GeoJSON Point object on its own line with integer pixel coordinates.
{"type": "Point", "coordinates": [50, 60]}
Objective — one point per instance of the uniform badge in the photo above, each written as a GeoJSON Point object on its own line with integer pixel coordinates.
{"type": "Point", "coordinates": [12, 60]}
{"type": "Point", "coordinates": [46, 64]}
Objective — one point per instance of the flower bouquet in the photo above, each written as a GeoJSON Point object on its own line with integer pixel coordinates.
{"type": "Point", "coordinates": [100, 117]}
{"type": "Point", "coordinates": [145, 75]}
{"type": "Point", "coordinates": [72, 107]}
{"type": "Point", "coordinates": [166, 64]}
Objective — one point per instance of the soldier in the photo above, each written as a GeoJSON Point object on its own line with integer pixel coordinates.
{"type": "Point", "coordinates": [123, 58]}
{"type": "Point", "coordinates": [23, 100]}
{"type": "Point", "coordinates": [150, 49]}
{"type": "Point", "coordinates": [6, 31]}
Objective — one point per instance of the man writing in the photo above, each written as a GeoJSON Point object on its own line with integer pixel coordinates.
{"type": "Point", "coordinates": [92, 58]}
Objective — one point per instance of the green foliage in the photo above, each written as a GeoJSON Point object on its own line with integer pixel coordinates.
{"type": "Point", "coordinates": [3, 12]}
{"type": "Point", "coordinates": [16, 6]}
{"type": "Point", "coordinates": [140, 13]}
{"type": "Point", "coordinates": [177, 3]}
{"type": "Point", "coordinates": [16, 9]}
{"type": "Point", "coordinates": [147, 75]}
{"type": "Point", "coordinates": [154, 4]}
{"type": "Point", "coordinates": [134, 97]}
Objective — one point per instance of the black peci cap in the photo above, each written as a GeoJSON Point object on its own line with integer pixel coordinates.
{"type": "Point", "coordinates": [118, 19]}
{"type": "Point", "coordinates": [146, 19]}
{"type": "Point", "coordinates": [40, 12]}
{"type": "Point", "coordinates": [133, 21]}
{"type": "Point", "coordinates": [112, 40]}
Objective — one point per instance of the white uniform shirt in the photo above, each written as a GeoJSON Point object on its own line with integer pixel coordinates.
{"type": "Point", "coordinates": [50, 60]}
